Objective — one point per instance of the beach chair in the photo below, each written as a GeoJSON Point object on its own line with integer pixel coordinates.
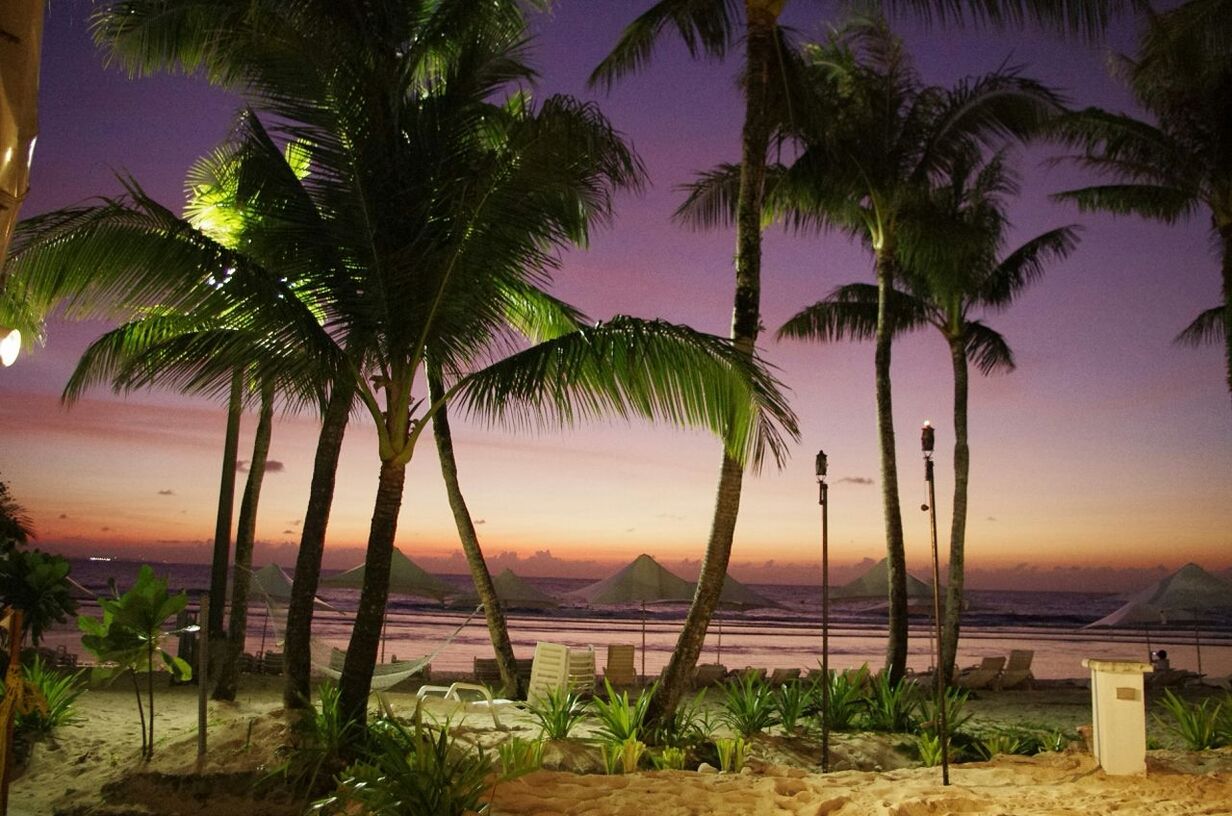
{"type": "Point", "coordinates": [982, 676]}
{"type": "Point", "coordinates": [549, 671]}
{"type": "Point", "coordinates": [459, 697]}
{"type": "Point", "coordinates": [708, 674]}
{"type": "Point", "coordinates": [581, 671]}
{"type": "Point", "coordinates": [619, 670]}
{"type": "Point", "coordinates": [781, 677]}
{"type": "Point", "coordinates": [1017, 672]}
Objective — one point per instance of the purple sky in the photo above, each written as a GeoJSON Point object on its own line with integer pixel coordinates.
{"type": "Point", "coordinates": [1108, 449]}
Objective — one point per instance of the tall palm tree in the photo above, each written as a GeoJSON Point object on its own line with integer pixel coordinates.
{"type": "Point", "coordinates": [868, 163]}
{"type": "Point", "coordinates": [709, 28]}
{"type": "Point", "coordinates": [965, 214]}
{"type": "Point", "coordinates": [1178, 166]}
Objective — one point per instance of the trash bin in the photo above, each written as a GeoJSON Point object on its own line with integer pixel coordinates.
{"type": "Point", "coordinates": [1119, 711]}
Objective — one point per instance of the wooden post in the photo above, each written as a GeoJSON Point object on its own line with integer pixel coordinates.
{"type": "Point", "coordinates": [203, 663]}
{"type": "Point", "coordinates": [8, 709]}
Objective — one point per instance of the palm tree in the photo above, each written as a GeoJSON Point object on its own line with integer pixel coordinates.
{"type": "Point", "coordinates": [868, 163]}
{"type": "Point", "coordinates": [709, 28]}
{"type": "Point", "coordinates": [966, 215]}
{"type": "Point", "coordinates": [1177, 167]}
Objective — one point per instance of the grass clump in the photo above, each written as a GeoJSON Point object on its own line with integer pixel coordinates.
{"type": "Point", "coordinates": [1200, 726]}
{"type": "Point", "coordinates": [557, 713]}
{"type": "Point", "coordinates": [749, 705]}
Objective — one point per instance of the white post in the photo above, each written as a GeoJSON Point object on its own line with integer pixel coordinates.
{"type": "Point", "coordinates": [1119, 715]}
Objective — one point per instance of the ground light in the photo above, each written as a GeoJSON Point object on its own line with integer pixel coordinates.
{"type": "Point", "coordinates": [10, 345]}
{"type": "Point", "coordinates": [823, 499]}
{"type": "Point", "coordinates": [927, 443]}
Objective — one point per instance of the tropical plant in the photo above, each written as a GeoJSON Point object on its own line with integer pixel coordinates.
{"type": "Point", "coordinates": [1171, 167]}
{"type": "Point", "coordinates": [470, 200]}
{"type": "Point", "coordinates": [847, 701]}
{"type": "Point", "coordinates": [956, 715]}
{"type": "Point", "coordinates": [558, 711]}
{"type": "Point", "coordinates": [928, 745]}
{"type": "Point", "coordinates": [997, 744]}
{"type": "Point", "coordinates": [688, 725]}
{"type": "Point", "coordinates": [36, 583]}
{"type": "Point", "coordinates": [748, 704]}
{"type": "Point", "coordinates": [622, 756]}
{"type": "Point", "coordinates": [129, 637]}
{"type": "Point", "coordinates": [519, 757]}
{"type": "Point", "coordinates": [771, 95]}
{"type": "Point", "coordinates": [1197, 724]}
{"type": "Point", "coordinates": [731, 753]}
{"type": "Point", "coordinates": [15, 524]}
{"type": "Point", "coordinates": [55, 692]}
{"type": "Point", "coordinates": [892, 705]}
{"type": "Point", "coordinates": [319, 736]}
{"type": "Point", "coordinates": [620, 719]}
{"type": "Point", "coordinates": [791, 701]}
{"type": "Point", "coordinates": [669, 758]}
{"type": "Point", "coordinates": [413, 770]}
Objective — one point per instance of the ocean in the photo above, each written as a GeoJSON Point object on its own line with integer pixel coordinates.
{"type": "Point", "coordinates": [783, 636]}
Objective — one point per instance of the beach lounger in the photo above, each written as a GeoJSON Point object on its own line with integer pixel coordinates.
{"type": "Point", "coordinates": [619, 670]}
{"type": "Point", "coordinates": [1171, 678]}
{"type": "Point", "coordinates": [1017, 672]}
{"type": "Point", "coordinates": [549, 671]}
{"type": "Point", "coordinates": [982, 676]}
{"type": "Point", "coordinates": [581, 671]}
{"type": "Point", "coordinates": [461, 697]}
{"type": "Point", "coordinates": [708, 674]}
{"type": "Point", "coordinates": [780, 677]}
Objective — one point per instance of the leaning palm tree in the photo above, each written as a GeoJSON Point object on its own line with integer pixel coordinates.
{"type": "Point", "coordinates": [1178, 166]}
{"type": "Point", "coordinates": [709, 28]}
{"type": "Point", "coordinates": [944, 290]}
{"type": "Point", "coordinates": [867, 166]}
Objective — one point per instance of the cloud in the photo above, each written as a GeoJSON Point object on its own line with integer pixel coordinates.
{"type": "Point", "coordinates": [480, 521]}
{"type": "Point", "coordinates": [166, 492]}
{"type": "Point", "coordinates": [105, 529]}
{"type": "Point", "coordinates": [64, 515]}
{"type": "Point", "coordinates": [288, 532]}
{"type": "Point", "coordinates": [271, 466]}
{"type": "Point", "coordinates": [855, 480]}
{"type": "Point", "coordinates": [670, 516]}
{"type": "Point", "coordinates": [990, 518]}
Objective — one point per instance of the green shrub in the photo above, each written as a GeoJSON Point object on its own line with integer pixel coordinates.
{"type": "Point", "coordinates": [956, 715]}
{"type": "Point", "coordinates": [622, 756]}
{"type": "Point", "coordinates": [320, 739]}
{"type": "Point", "coordinates": [731, 753]}
{"type": "Point", "coordinates": [847, 701]}
{"type": "Point", "coordinates": [892, 706]}
{"type": "Point", "coordinates": [998, 744]}
{"type": "Point", "coordinates": [670, 759]}
{"type": "Point", "coordinates": [59, 690]}
{"type": "Point", "coordinates": [1197, 724]}
{"type": "Point", "coordinates": [620, 719]}
{"type": "Point", "coordinates": [558, 713]}
{"type": "Point", "coordinates": [687, 726]}
{"type": "Point", "coordinates": [413, 770]}
{"type": "Point", "coordinates": [791, 700]}
{"type": "Point", "coordinates": [36, 583]}
{"type": "Point", "coordinates": [928, 745]}
{"type": "Point", "coordinates": [748, 705]}
{"type": "Point", "coordinates": [519, 757]}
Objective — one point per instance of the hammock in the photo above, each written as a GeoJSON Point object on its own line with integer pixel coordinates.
{"type": "Point", "coordinates": [327, 661]}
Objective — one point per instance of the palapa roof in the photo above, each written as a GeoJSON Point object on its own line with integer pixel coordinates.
{"type": "Point", "coordinates": [1190, 594]}
{"type": "Point", "coordinates": [644, 580]}
{"type": "Point", "coordinates": [875, 582]}
{"type": "Point", "coordinates": [405, 578]}
{"type": "Point", "coordinates": [514, 592]}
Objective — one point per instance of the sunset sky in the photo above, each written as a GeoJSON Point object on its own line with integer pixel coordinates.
{"type": "Point", "coordinates": [1108, 452]}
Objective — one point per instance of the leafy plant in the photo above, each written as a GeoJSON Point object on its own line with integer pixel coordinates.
{"type": "Point", "coordinates": [1197, 724]}
{"type": "Point", "coordinates": [956, 715]}
{"type": "Point", "coordinates": [619, 718]}
{"type": "Point", "coordinates": [611, 757]}
{"type": "Point", "coordinates": [415, 770]}
{"type": "Point", "coordinates": [847, 700]}
{"type": "Point", "coordinates": [791, 700]}
{"type": "Point", "coordinates": [36, 583]}
{"type": "Point", "coordinates": [731, 753]}
{"type": "Point", "coordinates": [1057, 741]}
{"type": "Point", "coordinates": [748, 705]}
{"type": "Point", "coordinates": [557, 713]}
{"type": "Point", "coordinates": [623, 756]}
{"type": "Point", "coordinates": [130, 635]}
{"type": "Point", "coordinates": [892, 706]}
{"type": "Point", "coordinates": [519, 757]}
{"type": "Point", "coordinates": [928, 744]}
{"type": "Point", "coordinates": [687, 726]}
{"type": "Point", "coordinates": [670, 759]}
{"type": "Point", "coordinates": [320, 739]}
{"type": "Point", "coordinates": [997, 744]}
{"type": "Point", "coordinates": [59, 690]}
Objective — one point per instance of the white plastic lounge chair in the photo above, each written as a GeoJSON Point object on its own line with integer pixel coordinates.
{"type": "Point", "coordinates": [549, 671]}
{"type": "Point", "coordinates": [467, 698]}
{"type": "Point", "coordinates": [1017, 670]}
{"type": "Point", "coordinates": [982, 676]}
{"type": "Point", "coordinates": [780, 677]}
{"type": "Point", "coordinates": [582, 671]}
{"type": "Point", "coordinates": [708, 674]}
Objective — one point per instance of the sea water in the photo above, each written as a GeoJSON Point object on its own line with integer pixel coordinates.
{"type": "Point", "coordinates": [783, 636]}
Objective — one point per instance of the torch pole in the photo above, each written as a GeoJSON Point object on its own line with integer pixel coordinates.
{"type": "Point", "coordinates": [942, 730]}
{"type": "Point", "coordinates": [823, 498]}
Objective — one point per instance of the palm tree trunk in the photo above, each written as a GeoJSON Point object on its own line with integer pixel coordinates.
{"type": "Point", "coordinates": [958, 523]}
{"type": "Point", "coordinates": [297, 692]}
{"type": "Point", "coordinates": [762, 19]}
{"type": "Point", "coordinates": [1225, 237]}
{"type": "Point", "coordinates": [896, 556]}
{"type": "Point", "coordinates": [245, 534]}
{"type": "Point", "coordinates": [498, 629]}
{"type": "Point", "coordinates": [361, 654]}
{"type": "Point", "coordinates": [226, 507]}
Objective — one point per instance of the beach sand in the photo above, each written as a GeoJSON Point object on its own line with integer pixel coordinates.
{"type": "Point", "coordinates": [97, 761]}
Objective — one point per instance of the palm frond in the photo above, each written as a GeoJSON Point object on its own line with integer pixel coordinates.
{"type": "Point", "coordinates": [850, 313]}
{"type": "Point", "coordinates": [1206, 329]}
{"type": "Point", "coordinates": [1167, 204]}
{"type": "Point", "coordinates": [706, 27]}
{"type": "Point", "coordinates": [1087, 18]}
{"type": "Point", "coordinates": [1025, 265]}
{"type": "Point", "coordinates": [986, 348]}
{"type": "Point", "coordinates": [628, 367]}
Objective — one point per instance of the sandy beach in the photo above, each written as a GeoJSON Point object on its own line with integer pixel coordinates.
{"type": "Point", "coordinates": [93, 768]}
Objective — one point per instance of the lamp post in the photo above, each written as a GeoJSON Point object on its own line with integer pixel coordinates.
{"type": "Point", "coordinates": [823, 498]}
{"type": "Point", "coordinates": [927, 443]}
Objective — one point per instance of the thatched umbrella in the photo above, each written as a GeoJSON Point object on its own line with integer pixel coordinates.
{"type": "Point", "coordinates": [515, 593]}
{"type": "Point", "coordinates": [874, 583]}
